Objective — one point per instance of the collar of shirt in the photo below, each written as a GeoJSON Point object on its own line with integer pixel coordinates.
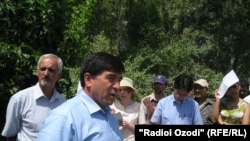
{"type": "Point", "coordinates": [38, 93]}
{"type": "Point", "coordinates": [91, 104]}
{"type": "Point", "coordinates": [152, 98]}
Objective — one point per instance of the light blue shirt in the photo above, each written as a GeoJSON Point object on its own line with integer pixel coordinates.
{"type": "Point", "coordinates": [171, 112]}
{"type": "Point", "coordinates": [79, 87]}
{"type": "Point", "coordinates": [80, 119]}
{"type": "Point", "coordinates": [26, 112]}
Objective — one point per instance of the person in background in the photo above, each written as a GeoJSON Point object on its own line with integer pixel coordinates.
{"type": "Point", "coordinates": [87, 116]}
{"type": "Point", "coordinates": [149, 102]}
{"type": "Point", "coordinates": [127, 108]}
{"type": "Point", "coordinates": [28, 108]}
{"type": "Point", "coordinates": [230, 109]}
{"type": "Point", "coordinates": [178, 108]}
{"type": "Point", "coordinates": [244, 88]}
{"type": "Point", "coordinates": [201, 96]}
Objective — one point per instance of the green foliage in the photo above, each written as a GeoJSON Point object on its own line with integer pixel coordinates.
{"type": "Point", "coordinates": [203, 38]}
{"type": "Point", "coordinates": [140, 76]}
{"type": "Point", "coordinates": [16, 64]}
{"type": "Point", "coordinates": [67, 85]}
{"type": "Point", "coordinates": [145, 27]}
{"type": "Point", "coordinates": [102, 43]}
{"type": "Point", "coordinates": [76, 38]}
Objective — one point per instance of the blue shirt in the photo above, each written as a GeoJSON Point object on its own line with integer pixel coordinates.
{"type": "Point", "coordinates": [80, 119]}
{"type": "Point", "coordinates": [26, 112]}
{"type": "Point", "coordinates": [169, 111]}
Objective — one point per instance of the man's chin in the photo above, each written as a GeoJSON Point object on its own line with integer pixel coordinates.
{"type": "Point", "coordinates": [179, 97]}
{"type": "Point", "coordinates": [158, 93]}
{"type": "Point", "coordinates": [110, 102]}
{"type": "Point", "coordinates": [198, 96]}
{"type": "Point", "coordinates": [45, 84]}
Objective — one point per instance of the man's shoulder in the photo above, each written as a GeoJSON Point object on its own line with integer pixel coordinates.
{"type": "Point", "coordinates": [69, 106]}
{"type": "Point", "coordinates": [21, 97]}
{"type": "Point", "coordinates": [147, 97]}
{"type": "Point", "coordinates": [210, 100]}
{"type": "Point", "coordinates": [23, 93]}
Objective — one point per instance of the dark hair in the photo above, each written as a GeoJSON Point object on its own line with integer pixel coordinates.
{"type": "Point", "coordinates": [184, 81]}
{"type": "Point", "coordinates": [99, 62]}
{"type": "Point", "coordinates": [244, 83]}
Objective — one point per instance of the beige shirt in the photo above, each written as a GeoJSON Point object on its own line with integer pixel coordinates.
{"type": "Point", "coordinates": [130, 114]}
{"type": "Point", "coordinates": [147, 108]}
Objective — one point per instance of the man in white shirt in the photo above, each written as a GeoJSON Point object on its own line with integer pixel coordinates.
{"type": "Point", "coordinates": [28, 108]}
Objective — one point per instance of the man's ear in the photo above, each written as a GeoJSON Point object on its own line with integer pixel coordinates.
{"type": "Point", "coordinates": [87, 79]}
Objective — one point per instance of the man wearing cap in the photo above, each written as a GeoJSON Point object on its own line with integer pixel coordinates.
{"type": "Point", "coordinates": [149, 102]}
{"type": "Point", "coordinates": [200, 91]}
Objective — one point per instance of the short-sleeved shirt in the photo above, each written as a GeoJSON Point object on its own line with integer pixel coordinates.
{"type": "Point", "coordinates": [206, 111]}
{"type": "Point", "coordinates": [169, 111]}
{"type": "Point", "coordinates": [80, 119]}
{"type": "Point", "coordinates": [26, 112]}
{"type": "Point", "coordinates": [147, 108]}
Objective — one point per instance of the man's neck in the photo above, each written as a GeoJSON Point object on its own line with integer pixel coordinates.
{"type": "Point", "coordinates": [200, 100]}
{"type": "Point", "coordinates": [158, 96]}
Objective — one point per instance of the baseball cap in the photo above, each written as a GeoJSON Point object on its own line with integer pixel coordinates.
{"type": "Point", "coordinates": [201, 82]}
{"type": "Point", "coordinates": [160, 79]}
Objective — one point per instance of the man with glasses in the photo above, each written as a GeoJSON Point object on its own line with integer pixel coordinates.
{"type": "Point", "coordinates": [200, 92]}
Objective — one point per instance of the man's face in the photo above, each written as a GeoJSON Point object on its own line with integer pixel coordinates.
{"type": "Point", "coordinates": [199, 91]}
{"type": "Point", "coordinates": [180, 94]}
{"type": "Point", "coordinates": [125, 93]}
{"type": "Point", "coordinates": [243, 91]}
{"type": "Point", "coordinates": [48, 72]}
{"type": "Point", "coordinates": [158, 88]}
{"type": "Point", "coordinates": [104, 87]}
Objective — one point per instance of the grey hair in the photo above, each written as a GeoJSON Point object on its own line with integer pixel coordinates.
{"type": "Point", "coordinates": [59, 60]}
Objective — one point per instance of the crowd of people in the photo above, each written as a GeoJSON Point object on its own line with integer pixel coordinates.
{"type": "Point", "coordinates": [104, 107]}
